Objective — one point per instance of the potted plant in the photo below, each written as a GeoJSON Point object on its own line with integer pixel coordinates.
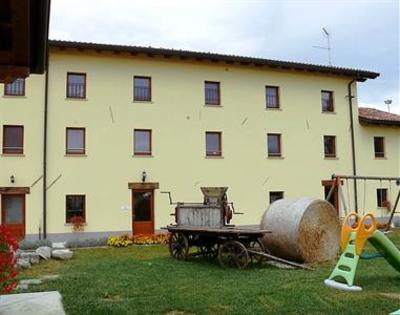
{"type": "Point", "coordinates": [78, 223]}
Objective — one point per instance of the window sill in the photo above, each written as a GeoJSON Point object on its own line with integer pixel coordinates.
{"type": "Point", "coordinates": [14, 96]}
{"type": "Point", "coordinates": [380, 158]}
{"type": "Point", "coordinates": [275, 157]}
{"type": "Point", "coordinates": [13, 155]}
{"type": "Point", "coordinates": [331, 158]}
{"type": "Point", "coordinates": [143, 102]}
{"type": "Point", "coordinates": [70, 224]}
{"type": "Point", "coordinates": [213, 105]}
{"type": "Point", "coordinates": [75, 155]}
{"type": "Point", "coordinates": [278, 109]}
{"type": "Point", "coordinates": [76, 99]}
{"type": "Point", "coordinates": [327, 112]}
{"type": "Point", "coordinates": [214, 157]}
{"type": "Point", "coordinates": [143, 155]}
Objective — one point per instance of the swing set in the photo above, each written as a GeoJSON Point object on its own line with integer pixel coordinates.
{"type": "Point", "coordinates": [383, 196]}
{"type": "Point", "coordinates": [357, 229]}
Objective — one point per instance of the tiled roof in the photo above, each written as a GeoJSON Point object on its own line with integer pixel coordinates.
{"type": "Point", "coordinates": [377, 117]}
{"type": "Point", "coordinates": [360, 75]}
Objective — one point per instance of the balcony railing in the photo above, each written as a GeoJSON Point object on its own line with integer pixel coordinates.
{"type": "Point", "coordinates": [272, 101]}
{"type": "Point", "coordinates": [142, 94]}
{"type": "Point", "coordinates": [13, 150]}
{"type": "Point", "coordinates": [15, 88]}
{"type": "Point", "coordinates": [212, 96]}
{"type": "Point", "coordinates": [214, 153]}
{"type": "Point", "coordinates": [76, 90]}
{"type": "Point", "coordinates": [75, 150]}
{"type": "Point", "coordinates": [327, 105]}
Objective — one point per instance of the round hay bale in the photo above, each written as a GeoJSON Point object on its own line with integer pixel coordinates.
{"type": "Point", "coordinates": [304, 229]}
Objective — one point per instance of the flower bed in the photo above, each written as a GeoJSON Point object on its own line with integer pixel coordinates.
{"type": "Point", "coordinates": [139, 239]}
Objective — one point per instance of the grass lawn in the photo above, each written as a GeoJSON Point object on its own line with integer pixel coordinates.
{"type": "Point", "coordinates": [145, 280]}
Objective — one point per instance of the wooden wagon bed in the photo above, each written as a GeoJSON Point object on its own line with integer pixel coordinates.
{"type": "Point", "coordinates": [226, 230]}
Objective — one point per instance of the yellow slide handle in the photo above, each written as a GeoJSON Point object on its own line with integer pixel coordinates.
{"type": "Point", "coordinates": [347, 227]}
{"type": "Point", "coordinates": [364, 232]}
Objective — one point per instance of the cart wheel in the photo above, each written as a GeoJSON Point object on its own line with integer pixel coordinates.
{"type": "Point", "coordinates": [233, 254]}
{"type": "Point", "coordinates": [179, 246]}
{"type": "Point", "coordinates": [209, 251]}
{"type": "Point", "coordinates": [257, 246]}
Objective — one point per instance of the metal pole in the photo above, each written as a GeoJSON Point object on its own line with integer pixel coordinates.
{"type": "Point", "coordinates": [353, 145]}
{"type": "Point", "coordinates": [393, 211]}
{"type": "Point", "coordinates": [368, 177]}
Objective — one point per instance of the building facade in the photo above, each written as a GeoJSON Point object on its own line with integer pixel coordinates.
{"type": "Point", "coordinates": [109, 128]}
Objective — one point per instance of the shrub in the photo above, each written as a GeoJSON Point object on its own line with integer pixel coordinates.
{"type": "Point", "coordinates": [8, 263]}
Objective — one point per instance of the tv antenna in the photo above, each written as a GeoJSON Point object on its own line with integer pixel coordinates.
{"type": "Point", "coordinates": [328, 47]}
{"type": "Point", "coordinates": [388, 102]}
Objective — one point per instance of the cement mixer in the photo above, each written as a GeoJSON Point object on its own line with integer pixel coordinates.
{"type": "Point", "coordinates": [304, 229]}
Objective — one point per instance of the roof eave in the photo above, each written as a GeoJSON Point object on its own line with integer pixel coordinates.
{"type": "Point", "coordinates": [369, 121]}
{"type": "Point", "coordinates": [359, 75]}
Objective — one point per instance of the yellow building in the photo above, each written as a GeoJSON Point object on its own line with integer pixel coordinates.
{"type": "Point", "coordinates": [110, 126]}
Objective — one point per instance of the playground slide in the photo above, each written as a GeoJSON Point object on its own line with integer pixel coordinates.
{"type": "Point", "coordinates": [386, 248]}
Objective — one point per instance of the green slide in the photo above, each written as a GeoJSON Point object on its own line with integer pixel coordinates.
{"type": "Point", "coordinates": [386, 248]}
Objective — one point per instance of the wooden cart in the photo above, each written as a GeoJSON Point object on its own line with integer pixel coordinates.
{"type": "Point", "coordinates": [234, 247]}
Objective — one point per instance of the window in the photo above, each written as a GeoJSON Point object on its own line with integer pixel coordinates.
{"type": "Point", "coordinates": [381, 197]}
{"type": "Point", "coordinates": [212, 93]}
{"type": "Point", "coordinates": [327, 101]}
{"type": "Point", "coordinates": [379, 147]}
{"type": "Point", "coordinates": [75, 206]}
{"type": "Point", "coordinates": [76, 141]}
{"type": "Point", "coordinates": [76, 85]}
{"type": "Point", "coordinates": [13, 139]}
{"type": "Point", "coordinates": [142, 142]}
{"type": "Point", "coordinates": [213, 144]}
{"type": "Point", "coordinates": [16, 88]}
{"type": "Point", "coordinates": [272, 96]}
{"type": "Point", "coordinates": [274, 144]}
{"type": "Point", "coordinates": [330, 146]}
{"type": "Point", "coordinates": [142, 89]}
{"type": "Point", "coordinates": [275, 195]}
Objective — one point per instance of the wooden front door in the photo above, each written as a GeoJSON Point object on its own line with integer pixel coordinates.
{"type": "Point", "coordinates": [13, 214]}
{"type": "Point", "coordinates": [143, 211]}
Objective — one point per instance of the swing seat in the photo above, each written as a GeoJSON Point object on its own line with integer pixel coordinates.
{"type": "Point", "coordinates": [342, 286]}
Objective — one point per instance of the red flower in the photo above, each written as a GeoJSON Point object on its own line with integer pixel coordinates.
{"type": "Point", "coordinates": [8, 268]}
{"type": "Point", "coordinates": [78, 223]}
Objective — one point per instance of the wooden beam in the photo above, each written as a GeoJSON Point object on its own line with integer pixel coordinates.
{"type": "Point", "coordinates": [143, 185]}
{"type": "Point", "coordinates": [14, 190]}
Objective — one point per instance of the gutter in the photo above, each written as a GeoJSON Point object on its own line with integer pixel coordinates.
{"type": "Point", "coordinates": [353, 148]}
{"type": "Point", "coordinates": [46, 101]}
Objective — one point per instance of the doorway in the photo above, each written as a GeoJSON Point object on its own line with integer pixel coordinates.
{"type": "Point", "coordinates": [13, 214]}
{"type": "Point", "coordinates": [334, 198]}
{"type": "Point", "coordinates": [143, 211]}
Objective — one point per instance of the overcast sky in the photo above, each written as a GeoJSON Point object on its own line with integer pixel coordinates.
{"type": "Point", "coordinates": [364, 34]}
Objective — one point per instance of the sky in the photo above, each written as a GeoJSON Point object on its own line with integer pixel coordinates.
{"type": "Point", "coordinates": [363, 34]}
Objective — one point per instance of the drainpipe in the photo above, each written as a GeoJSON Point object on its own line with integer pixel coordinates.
{"type": "Point", "coordinates": [353, 148]}
{"type": "Point", "coordinates": [46, 98]}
